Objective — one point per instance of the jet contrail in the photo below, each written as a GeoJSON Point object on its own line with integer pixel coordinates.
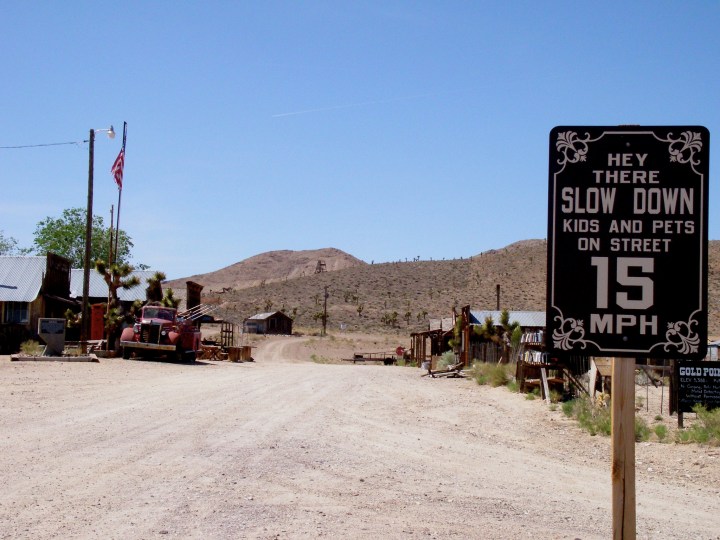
{"type": "Point", "coordinates": [360, 104]}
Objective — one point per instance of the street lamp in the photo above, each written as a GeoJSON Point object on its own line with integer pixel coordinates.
{"type": "Point", "coordinates": [88, 239]}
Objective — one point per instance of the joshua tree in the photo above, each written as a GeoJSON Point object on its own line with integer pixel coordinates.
{"type": "Point", "coordinates": [154, 292]}
{"type": "Point", "coordinates": [116, 276]}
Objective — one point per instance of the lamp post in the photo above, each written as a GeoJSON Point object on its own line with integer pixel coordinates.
{"type": "Point", "coordinates": [88, 239]}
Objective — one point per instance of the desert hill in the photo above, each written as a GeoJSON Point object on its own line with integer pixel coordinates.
{"type": "Point", "coordinates": [270, 267]}
{"type": "Point", "coordinates": [397, 297]}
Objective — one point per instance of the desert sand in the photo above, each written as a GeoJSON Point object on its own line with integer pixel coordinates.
{"type": "Point", "coordinates": [285, 447]}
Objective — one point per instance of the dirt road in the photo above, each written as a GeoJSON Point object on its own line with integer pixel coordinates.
{"type": "Point", "coordinates": [287, 448]}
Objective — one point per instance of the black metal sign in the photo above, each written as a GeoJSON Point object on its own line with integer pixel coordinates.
{"type": "Point", "coordinates": [627, 241]}
{"type": "Point", "coordinates": [698, 384]}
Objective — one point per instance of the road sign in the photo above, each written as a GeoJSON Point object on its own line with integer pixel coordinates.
{"type": "Point", "coordinates": [627, 241]}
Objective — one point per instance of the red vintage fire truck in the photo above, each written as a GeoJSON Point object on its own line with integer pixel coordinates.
{"type": "Point", "coordinates": [160, 331]}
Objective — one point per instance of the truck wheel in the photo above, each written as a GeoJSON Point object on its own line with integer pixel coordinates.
{"type": "Point", "coordinates": [189, 357]}
{"type": "Point", "coordinates": [126, 353]}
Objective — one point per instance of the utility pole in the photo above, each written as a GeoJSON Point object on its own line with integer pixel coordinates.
{"type": "Point", "coordinates": [324, 319]}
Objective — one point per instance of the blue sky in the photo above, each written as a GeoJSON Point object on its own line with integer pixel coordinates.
{"type": "Point", "coordinates": [389, 129]}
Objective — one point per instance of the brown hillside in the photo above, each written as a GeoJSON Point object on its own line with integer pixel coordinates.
{"type": "Point", "coordinates": [363, 297]}
{"type": "Point", "coordinates": [270, 267]}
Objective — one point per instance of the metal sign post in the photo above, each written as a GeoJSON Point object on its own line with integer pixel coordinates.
{"type": "Point", "coordinates": [627, 261]}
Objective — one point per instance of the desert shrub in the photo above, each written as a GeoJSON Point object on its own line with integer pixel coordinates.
{"type": "Point", "coordinates": [493, 374]}
{"type": "Point", "coordinates": [710, 420]}
{"type": "Point", "coordinates": [320, 359]}
{"type": "Point", "coordinates": [31, 347]}
{"type": "Point", "coordinates": [706, 430]}
{"type": "Point", "coordinates": [499, 375]}
{"type": "Point", "coordinates": [406, 363]}
{"type": "Point", "coordinates": [661, 432]}
{"type": "Point", "coordinates": [591, 418]}
{"type": "Point", "coordinates": [447, 359]}
{"type": "Point", "coordinates": [478, 372]}
{"type": "Point", "coordinates": [642, 431]}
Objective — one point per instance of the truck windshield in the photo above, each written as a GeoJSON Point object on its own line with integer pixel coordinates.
{"type": "Point", "coordinates": [158, 313]}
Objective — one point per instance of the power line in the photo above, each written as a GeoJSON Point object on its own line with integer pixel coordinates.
{"type": "Point", "coordinates": [46, 144]}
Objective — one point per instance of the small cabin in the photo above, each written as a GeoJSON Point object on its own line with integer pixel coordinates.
{"type": "Point", "coordinates": [268, 323]}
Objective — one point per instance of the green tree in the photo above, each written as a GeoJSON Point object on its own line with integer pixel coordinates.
{"type": "Point", "coordinates": [65, 236]}
{"type": "Point", "coordinates": [8, 246]}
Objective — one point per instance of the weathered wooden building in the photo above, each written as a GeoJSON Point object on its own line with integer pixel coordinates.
{"type": "Point", "coordinates": [31, 287]}
{"type": "Point", "coordinates": [431, 343]}
{"type": "Point", "coordinates": [275, 322]}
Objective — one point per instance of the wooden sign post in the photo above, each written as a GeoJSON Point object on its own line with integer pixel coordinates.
{"type": "Point", "coordinates": [627, 262]}
{"type": "Point", "coordinates": [623, 448]}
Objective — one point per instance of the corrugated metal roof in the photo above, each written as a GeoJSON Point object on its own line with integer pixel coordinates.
{"type": "Point", "coordinates": [98, 287]}
{"type": "Point", "coordinates": [261, 316]}
{"type": "Point", "coordinates": [21, 278]}
{"type": "Point", "coordinates": [526, 319]}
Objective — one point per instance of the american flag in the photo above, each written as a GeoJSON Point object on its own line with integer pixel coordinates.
{"type": "Point", "coordinates": [117, 168]}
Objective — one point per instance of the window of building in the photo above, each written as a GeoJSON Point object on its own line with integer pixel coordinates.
{"type": "Point", "coordinates": [15, 312]}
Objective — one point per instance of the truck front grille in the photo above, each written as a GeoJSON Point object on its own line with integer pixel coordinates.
{"type": "Point", "coordinates": [150, 333]}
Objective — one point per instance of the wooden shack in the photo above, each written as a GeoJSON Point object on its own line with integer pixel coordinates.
{"type": "Point", "coordinates": [427, 346]}
{"type": "Point", "coordinates": [275, 322]}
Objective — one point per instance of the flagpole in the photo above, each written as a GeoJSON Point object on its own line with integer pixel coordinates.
{"type": "Point", "coordinates": [112, 224]}
{"type": "Point", "coordinates": [117, 227]}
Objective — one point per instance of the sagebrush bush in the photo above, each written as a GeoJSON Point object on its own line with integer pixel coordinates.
{"type": "Point", "coordinates": [33, 348]}
{"type": "Point", "coordinates": [705, 431]}
{"type": "Point", "coordinates": [642, 431]}
{"type": "Point", "coordinates": [593, 419]}
{"type": "Point", "coordinates": [493, 374]}
{"type": "Point", "coordinates": [661, 432]}
{"type": "Point", "coordinates": [446, 360]}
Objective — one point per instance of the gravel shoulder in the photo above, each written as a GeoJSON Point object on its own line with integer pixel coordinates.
{"type": "Point", "coordinates": [289, 448]}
